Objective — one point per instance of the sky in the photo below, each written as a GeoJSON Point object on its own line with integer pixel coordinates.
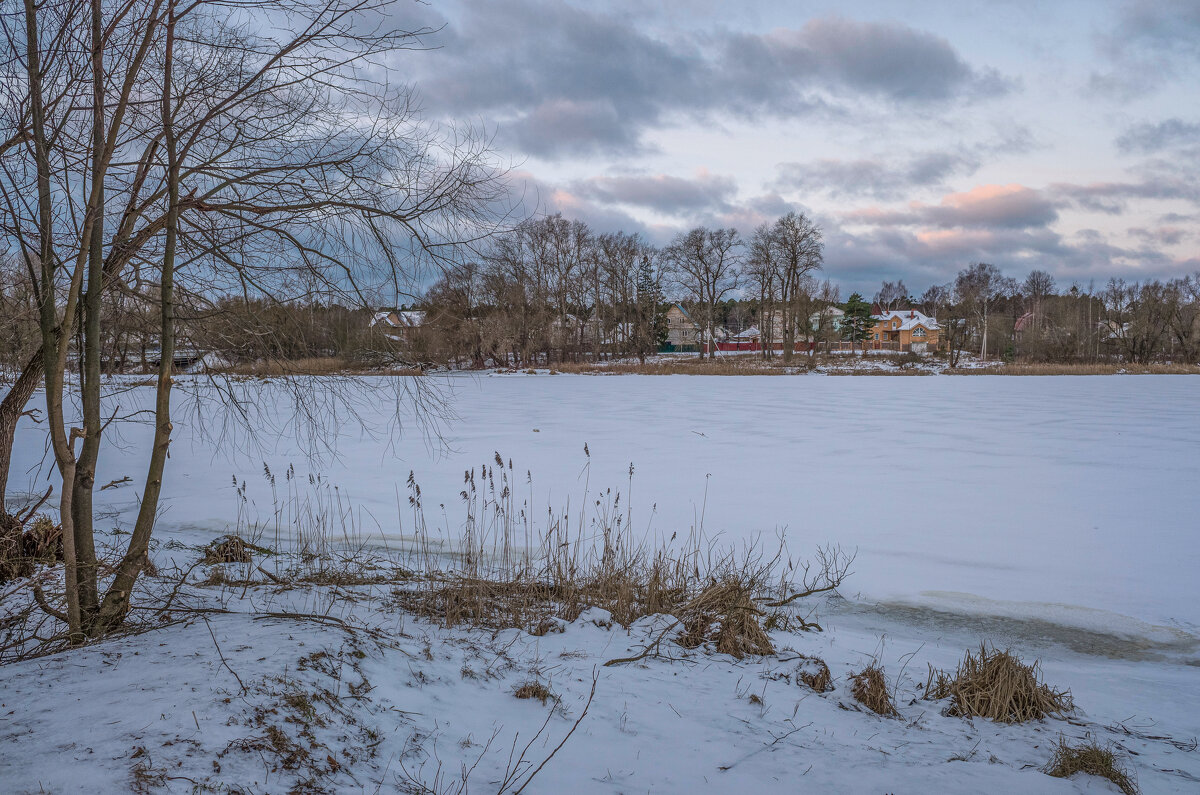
{"type": "Point", "coordinates": [922, 136]}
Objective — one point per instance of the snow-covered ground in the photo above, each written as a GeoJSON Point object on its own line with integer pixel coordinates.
{"type": "Point", "coordinates": [1054, 515]}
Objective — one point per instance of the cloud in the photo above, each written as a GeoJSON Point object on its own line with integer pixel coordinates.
{"type": "Point", "coordinates": [985, 206]}
{"type": "Point", "coordinates": [593, 81]}
{"type": "Point", "coordinates": [884, 59]}
{"type": "Point", "coordinates": [662, 193]}
{"type": "Point", "coordinates": [1151, 138]}
{"type": "Point", "coordinates": [874, 177]}
{"type": "Point", "coordinates": [895, 175]}
{"type": "Point", "coordinates": [1150, 42]}
{"type": "Point", "coordinates": [1113, 197]}
{"type": "Point", "coordinates": [1161, 236]}
{"type": "Point", "coordinates": [861, 259]}
{"type": "Point", "coordinates": [1161, 25]}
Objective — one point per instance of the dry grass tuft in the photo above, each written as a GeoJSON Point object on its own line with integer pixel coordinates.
{"type": "Point", "coordinates": [1092, 759]}
{"type": "Point", "coordinates": [1097, 368]}
{"type": "Point", "coordinates": [682, 365]}
{"type": "Point", "coordinates": [23, 548]}
{"type": "Point", "coordinates": [725, 614]}
{"type": "Point", "coordinates": [813, 672]}
{"type": "Point", "coordinates": [870, 689]}
{"type": "Point", "coordinates": [535, 690]}
{"type": "Point", "coordinates": [997, 685]}
{"type": "Point", "coordinates": [231, 549]}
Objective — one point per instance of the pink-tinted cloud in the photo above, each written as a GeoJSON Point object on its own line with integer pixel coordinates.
{"type": "Point", "coordinates": [984, 206]}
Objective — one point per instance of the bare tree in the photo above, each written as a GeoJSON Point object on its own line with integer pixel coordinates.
{"type": "Point", "coordinates": [705, 263]}
{"type": "Point", "coordinates": [891, 295]}
{"type": "Point", "coordinates": [796, 245]}
{"type": "Point", "coordinates": [203, 155]}
{"type": "Point", "coordinates": [978, 286]}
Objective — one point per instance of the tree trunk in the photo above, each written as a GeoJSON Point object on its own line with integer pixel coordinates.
{"type": "Point", "coordinates": [116, 601]}
{"type": "Point", "coordinates": [11, 409]}
{"type": "Point", "coordinates": [85, 466]}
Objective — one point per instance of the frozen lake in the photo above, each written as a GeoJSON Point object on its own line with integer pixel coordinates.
{"type": "Point", "coordinates": [1070, 499]}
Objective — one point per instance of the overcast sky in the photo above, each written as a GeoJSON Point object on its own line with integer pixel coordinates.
{"type": "Point", "coordinates": [923, 136]}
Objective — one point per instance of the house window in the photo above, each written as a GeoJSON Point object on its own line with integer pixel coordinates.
{"type": "Point", "coordinates": [918, 332]}
{"type": "Point", "coordinates": [876, 336]}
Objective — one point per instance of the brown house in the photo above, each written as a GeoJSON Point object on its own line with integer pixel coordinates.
{"type": "Point", "coordinates": [904, 330]}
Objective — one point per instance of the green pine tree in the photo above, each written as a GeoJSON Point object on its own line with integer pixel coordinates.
{"type": "Point", "coordinates": [650, 324]}
{"type": "Point", "coordinates": [857, 322]}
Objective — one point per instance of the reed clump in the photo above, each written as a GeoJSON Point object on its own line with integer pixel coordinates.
{"type": "Point", "coordinates": [997, 685]}
{"type": "Point", "coordinates": [869, 688]}
{"type": "Point", "coordinates": [1094, 760]}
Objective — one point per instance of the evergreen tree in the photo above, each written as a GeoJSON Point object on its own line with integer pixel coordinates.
{"type": "Point", "coordinates": [857, 322]}
{"type": "Point", "coordinates": [650, 323]}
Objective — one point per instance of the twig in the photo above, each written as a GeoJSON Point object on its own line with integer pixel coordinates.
{"type": "Point", "coordinates": [800, 595]}
{"type": "Point", "coordinates": [271, 576]}
{"type": "Point", "coordinates": [23, 519]}
{"type": "Point", "coordinates": [222, 656]}
{"type": "Point", "coordinates": [646, 651]}
{"type": "Point", "coordinates": [40, 597]}
{"type": "Point", "coordinates": [582, 715]}
{"type": "Point", "coordinates": [115, 483]}
{"type": "Point", "coordinates": [781, 737]}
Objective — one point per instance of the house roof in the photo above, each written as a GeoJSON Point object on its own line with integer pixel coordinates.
{"type": "Point", "coordinates": [748, 334]}
{"type": "Point", "coordinates": [409, 318]}
{"type": "Point", "coordinates": [909, 319]}
{"type": "Point", "coordinates": [684, 311]}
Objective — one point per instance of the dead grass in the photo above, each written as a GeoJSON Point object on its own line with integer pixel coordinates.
{"type": "Point", "coordinates": [1100, 368]}
{"type": "Point", "coordinates": [813, 672]}
{"type": "Point", "coordinates": [1092, 759]}
{"type": "Point", "coordinates": [328, 365]}
{"type": "Point", "coordinates": [870, 689]}
{"type": "Point", "coordinates": [997, 685]}
{"type": "Point", "coordinates": [535, 690]}
{"type": "Point", "coordinates": [25, 544]}
{"type": "Point", "coordinates": [725, 615]}
{"type": "Point", "coordinates": [231, 549]}
{"type": "Point", "coordinates": [723, 365]}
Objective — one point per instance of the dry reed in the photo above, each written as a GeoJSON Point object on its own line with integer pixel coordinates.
{"type": "Point", "coordinates": [535, 690]}
{"type": "Point", "coordinates": [1097, 368]}
{"type": "Point", "coordinates": [229, 549]}
{"type": "Point", "coordinates": [1092, 759]}
{"type": "Point", "coordinates": [813, 672]}
{"type": "Point", "coordinates": [997, 685]}
{"type": "Point", "coordinates": [870, 689]}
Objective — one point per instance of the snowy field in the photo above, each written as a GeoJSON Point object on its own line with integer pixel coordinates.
{"type": "Point", "coordinates": [1070, 499]}
{"type": "Point", "coordinates": [1058, 515]}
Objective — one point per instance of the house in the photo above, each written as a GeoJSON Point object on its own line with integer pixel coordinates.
{"type": "Point", "coordinates": [683, 333]}
{"type": "Point", "coordinates": [829, 318]}
{"type": "Point", "coordinates": [904, 330]}
{"type": "Point", "coordinates": [748, 340]}
{"type": "Point", "coordinates": [404, 321]}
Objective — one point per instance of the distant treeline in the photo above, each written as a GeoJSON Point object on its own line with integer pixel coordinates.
{"type": "Point", "coordinates": [554, 290]}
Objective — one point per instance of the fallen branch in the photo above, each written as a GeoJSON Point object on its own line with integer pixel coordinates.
{"type": "Point", "coordinates": [646, 652]}
{"type": "Point", "coordinates": [582, 715]}
{"type": "Point", "coordinates": [222, 656]}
